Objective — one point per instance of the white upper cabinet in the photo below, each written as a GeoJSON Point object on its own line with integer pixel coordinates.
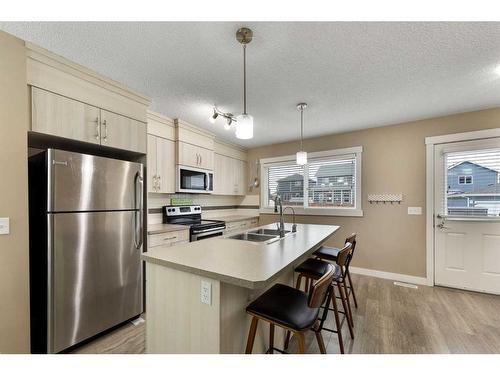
{"type": "Point", "coordinates": [230, 170]}
{"type": "Point", "coordinates": [71, 101]}
{"type": "Point", "coordinates": [161, 154]}
{"type": "Point", "coordinates": [122, 132]}
{"type": "Point", "coordinates": [57, 115]}
{"type": "Point", "coordinates": [195, 147]}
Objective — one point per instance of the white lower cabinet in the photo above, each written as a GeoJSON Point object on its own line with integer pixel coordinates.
{"type": "Point", "coordinates": [236, 226]}
{"type": "Point", "coordinates": [168, 239]}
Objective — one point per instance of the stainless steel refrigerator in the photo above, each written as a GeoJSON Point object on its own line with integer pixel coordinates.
{"type": "Point", "coordinates": [86, 236]}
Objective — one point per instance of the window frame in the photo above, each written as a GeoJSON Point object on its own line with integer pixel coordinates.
{"type": "Point", "coordinates": [465, 179]}
{"type": "Point", "coordinates": [304, 209]}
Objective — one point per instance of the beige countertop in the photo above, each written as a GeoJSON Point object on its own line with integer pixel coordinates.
{"type": "Point", "coordinates": [247, 264]}
{"type": "Point", "coordinates": [164, 228]}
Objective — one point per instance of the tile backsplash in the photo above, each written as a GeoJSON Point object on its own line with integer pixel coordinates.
{"type": "Point", "coordinates": [213, 205]}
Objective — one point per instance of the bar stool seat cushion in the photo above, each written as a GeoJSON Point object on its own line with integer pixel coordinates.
{"type": "Point", "coordinates": [327, 252]}
{"type": "Point", "coordinates": [286, 306]}
{"type": "Point", "coordinates": [316, 268]}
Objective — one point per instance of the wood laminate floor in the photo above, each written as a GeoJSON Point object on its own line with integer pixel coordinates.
{"type": "Point", "coordinates": [389, 319]}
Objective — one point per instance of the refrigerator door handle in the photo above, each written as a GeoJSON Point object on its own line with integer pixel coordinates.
{"type": "Point", "coordinates": [138, 237]}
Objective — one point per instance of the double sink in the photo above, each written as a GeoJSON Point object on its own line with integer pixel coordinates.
{"type": "Point", "coordinates": [259, 235]}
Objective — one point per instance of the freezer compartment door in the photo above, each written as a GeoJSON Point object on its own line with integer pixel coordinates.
{"type": "Point", "coordinates": [80, 182]}
{"type": "Point", "coordinates": [95, 273]}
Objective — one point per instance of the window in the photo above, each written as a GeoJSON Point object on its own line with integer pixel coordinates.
{"type": "Point", "coordinates": [471, 183]}
{"type": "Point", "coordinates": [331, 183]}
{"type": "Point", "coordinates": [464, 180]}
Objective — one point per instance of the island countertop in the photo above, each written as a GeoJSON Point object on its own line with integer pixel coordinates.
{"type": "Point", "coordinates": [246, 264]}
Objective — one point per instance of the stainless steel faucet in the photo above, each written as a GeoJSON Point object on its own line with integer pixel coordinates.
{"type": "Point", "coordinates": [294, 225]}
{"type": "Point", "coordinates": [281, 225]}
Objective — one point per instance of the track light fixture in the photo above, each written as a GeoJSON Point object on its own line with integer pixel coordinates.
{"type": "Point", "coordinates": [230, 119]}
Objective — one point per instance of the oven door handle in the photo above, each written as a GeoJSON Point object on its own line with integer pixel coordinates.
{"type": "Point", "coordinates": [216, 229]}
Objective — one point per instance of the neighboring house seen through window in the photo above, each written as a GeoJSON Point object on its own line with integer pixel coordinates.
{"type": "Point", "coordinates": [330, 184]}
{"type": "Point", "coordinates": [464, 180]}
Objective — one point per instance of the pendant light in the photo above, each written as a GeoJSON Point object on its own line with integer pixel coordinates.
{"type": "Point", "coordinates": [244, 122]}
{"type": "Point", "coordinates": [301, 154]}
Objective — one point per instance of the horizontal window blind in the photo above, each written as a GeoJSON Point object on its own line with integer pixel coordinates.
{"type": "Point", "coordinates": [288, 181]}
{"type": "Point", "coordinates": [471, 183]}
{"type": "Point", "coordinates": [332, 182]}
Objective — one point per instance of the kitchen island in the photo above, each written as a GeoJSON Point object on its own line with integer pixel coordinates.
{"type": "Point", "coordinates": [196, 293]}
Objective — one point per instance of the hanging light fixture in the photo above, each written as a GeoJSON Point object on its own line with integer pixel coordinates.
{"type": "Point", "coordinates": [301, 154]}
{"type": "Point", "coordinates": [244, 125]}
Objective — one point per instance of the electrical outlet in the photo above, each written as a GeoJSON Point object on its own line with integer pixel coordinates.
{"type": "Point", "coordinates": [414, 210]}
{"type": "Point", "coordinates": [4, 225]}
{"type": "Point", "coordinates": [206, 292]}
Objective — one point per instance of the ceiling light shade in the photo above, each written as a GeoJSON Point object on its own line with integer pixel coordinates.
{"type": "Point", "coordinates": [301, 158]}
{"type": "Point", "coordinates": [244, 126]}
{"type": "Point", "coordinates": [301, 154]}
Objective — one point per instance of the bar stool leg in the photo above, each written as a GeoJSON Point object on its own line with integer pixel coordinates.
{"type": "Point", "coordinates": [344, 283]}
{"type": "Point", "coordinates": [271, 338]}
{"type": "Point", "coordinates": [321, 343]}
{"type": "Point", "coordinates": [302, 342]}
{"type": "Point", "coordinates": [337, 320]}
{"type": "Point", "coordinates": [299, 281]}
{"type": "Point", "coordinates": [352, 289]}
{"type": "Point", "coordinates": [344, 305]}
{"type": "Point", "coordinates": [251, 335]}
{"type": "Point", "coordinates": [287, 340]}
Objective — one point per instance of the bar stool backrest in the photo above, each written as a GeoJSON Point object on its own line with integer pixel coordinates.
{"type": "Point", "coordinates": [352, 240]}
{"type": "Point", "coordinates": [343, 258]}
{"type": "Point", "coordinates": [319, 289]}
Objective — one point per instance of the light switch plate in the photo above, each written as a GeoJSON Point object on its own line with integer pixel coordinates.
{"type": "Point", "coordinates": [206, 292]}
{"type": "Point", "coordinates": [4, 225]}
{"type": "Point", "coordinates": [414, 210]}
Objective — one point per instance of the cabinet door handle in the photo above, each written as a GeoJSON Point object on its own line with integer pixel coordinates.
{"type": "Point", "coordinates": [159, 182]}
{"type": "Point", "coordinates": [97, 127]}
{"type": "Point", "coordinates": [155, 183]}
{"type": "Point", "coordinates": [104, 123]}
{"type": "Point", "coordinates": [169, 238]}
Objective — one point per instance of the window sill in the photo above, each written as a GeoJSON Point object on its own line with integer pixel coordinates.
{"type": "Point", "coordinates": [352, 212]}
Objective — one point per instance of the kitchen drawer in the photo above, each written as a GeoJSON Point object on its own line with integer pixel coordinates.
{"type": "Point", "coordinates": [237, 225]}
{"type": "Point", "coordinates": [168, 238]}
{"type": "Point", "coordinates": [254, 222]}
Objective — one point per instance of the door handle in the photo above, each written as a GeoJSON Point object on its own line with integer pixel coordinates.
{"type": "Point", "coordinates": [138, 239]}
{"type": "Point", "coordinates": [97, 127]}
{"type": "Point", "coordinates": [105, 124]}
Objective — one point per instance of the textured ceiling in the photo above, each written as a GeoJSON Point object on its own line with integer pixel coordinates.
{"type": "Point", "coordinates": [352, 75]}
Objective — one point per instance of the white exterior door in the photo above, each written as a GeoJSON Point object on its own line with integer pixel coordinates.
{"type": "Point", "coordinates": [467, 215]}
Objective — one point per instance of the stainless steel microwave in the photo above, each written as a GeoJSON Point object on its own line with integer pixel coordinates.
{"type": "Point", "coordinates": [194, 180]}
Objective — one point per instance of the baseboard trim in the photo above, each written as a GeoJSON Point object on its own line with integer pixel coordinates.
{"type": "Point", "coordinates": [390, 276]}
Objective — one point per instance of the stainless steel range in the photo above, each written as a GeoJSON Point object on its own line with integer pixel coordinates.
{"type": "Point", "coordinates": [199, 229]}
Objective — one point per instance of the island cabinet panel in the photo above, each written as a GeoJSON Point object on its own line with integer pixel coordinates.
{"type": "Point", "coordinates": [63, 117]}
{"type": "Point", "coordinates": [235, 322]}
{"type": "Point", "coordinates": [177, 321]}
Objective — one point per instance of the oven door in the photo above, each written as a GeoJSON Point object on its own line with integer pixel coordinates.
{"type": "Point", "coordinates": [192, 180]}
{"type": "Point", "coordinates": [203, 235]}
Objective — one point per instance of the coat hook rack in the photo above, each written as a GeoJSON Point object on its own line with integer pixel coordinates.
{"type": "Point", "coordinates": [385, 198]}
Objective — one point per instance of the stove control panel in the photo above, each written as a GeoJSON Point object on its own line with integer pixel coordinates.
{"type": "Point", "coordinates": [181, 210]}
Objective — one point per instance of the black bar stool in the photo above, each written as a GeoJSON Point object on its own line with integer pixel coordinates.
{"type": "Point", "coordinates": [330, 254]}
{"type": "Point", "coordinates": [313, 269]}
{"type": "Point", "coordinates": [292, 310]}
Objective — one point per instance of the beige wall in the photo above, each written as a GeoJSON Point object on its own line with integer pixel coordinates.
{"type": "Point", "coordinates": [14, 297]}
{"type": "Point", "coordinates": [393, 161]}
